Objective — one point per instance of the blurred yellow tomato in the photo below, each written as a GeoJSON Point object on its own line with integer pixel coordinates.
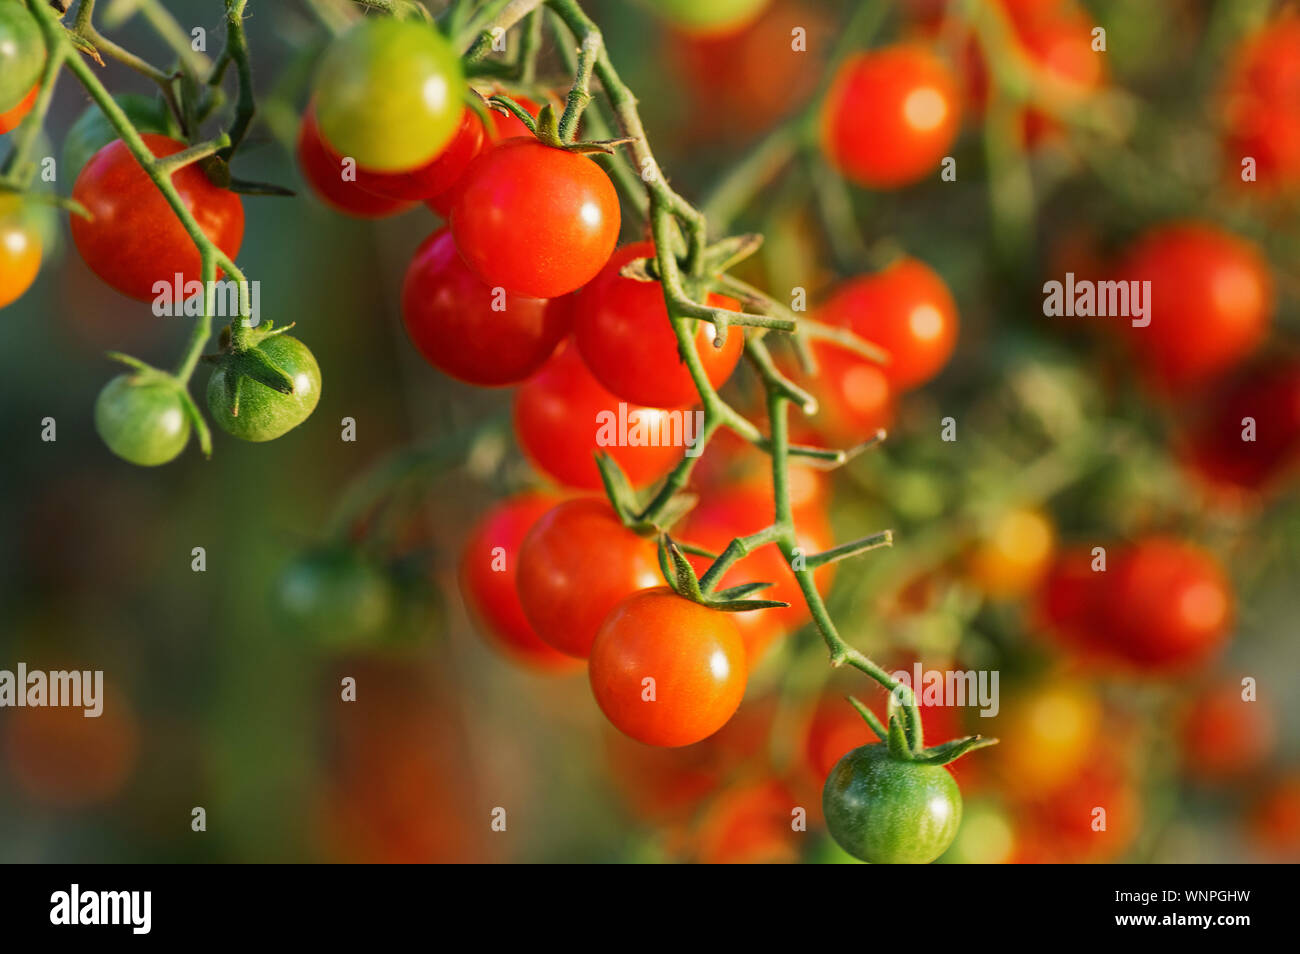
{"type": "Point", "coordinates": [1013, 555]}
{"type": "Point", "coordinates": [1046, 734]}
{"type": "Point", "coordinates": [987, 836]}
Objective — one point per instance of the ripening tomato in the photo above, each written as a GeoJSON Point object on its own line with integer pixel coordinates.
{"type": "Point", "coordinates": [1274, 819]}
{"type": "Point", "coordinates": [434, 177]}
{"type": "Point", "coordinates": [1170, 604]}
{"type": "Point", "coordinates": [10, 118]}
{"type": "Point", "coordinates": [751, 823]}
{"type": "Point", "coordinates": [1223, 736]}
{"type": "Point", "coordinates": [562, 417]}
{"type": "Point", "coordinates": [987, 835]}
{"type": "Point", "coordinates": [1047, 734]}
{"type": "Point", "coordinates": [22, 55]}
{"type": "Point", "coordinates": [134, 238]}
{"type": "Point", "coordinates": [1248, 435]}
{"type": "Point", "coordinates": [665, 670]}
{"type": "Point", "coordinates": [1210, 305]}
{"type": "Point", "coordinates": [884, 810]}
{"type": "Point", "coordinates": [504, 125]}
{"type": "Point", "coordinates": [890, 116]}
{"type": "Point", "coordinates": [621, 327]}
{"type": "Point", "coordinates": [575, 565]}
{"type": "Point", "coordinates": [709, 17]}
{"type": "Point", "coordinates": [1261, 106]}
{"type": "Point", "coordinates": [389, 94]}
{"type": "Point", "coordinates": [907, 310]}
{"type": "Point", "coordinates": [470, 331]}
{"type": "Point", "coordinates": [535, 220]}
{"type": "Point", "coordinates": [732, 462]}
{"type": "Point", "coordinates": [488, 567]}
{"type": "Point", "coordinates": [324, 172]}
{"type": "Point", "coordinates": [1014, 553]}
{"type": "Point", "coordinates": [20, 249]}
{"type": "Point", "coordinates": [740, 511]}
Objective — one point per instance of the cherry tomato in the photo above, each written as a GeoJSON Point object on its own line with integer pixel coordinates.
{"type": "Point", "coordinates": [890, 116]}
{"type": "Point", "coordinates": [732, 462]}
{"type": "Point", "coordinates": [1261, 106]}
{"type": "Point", "coordinates": [562, 416]}
{"type": "Point", "coordinates": [709, 17]}
{"type": "Point", "coordinates": [466, 330]}
{"type": "Point", "coordinates": [738, 512]}
{"type": "Point", "coordinates": [1047, 734]}
{"type": "Point", "coordinates": [10, 118]}
{"type": "Point", "coordinates": [621, 327]}
{"type": "Point", "coordinates": [1013, 555]}
{"type": "Point", "coordinates": [1273, 821]}
{"type": "Point", "coordinates": [1091, 818]}
{"type": "Point", "coordinates": [434, 177]}
{"type": "Point", "coordinates": [22, 54]}
{"type": "Point", "coordinates": [665, 670]}
{"type": "Point", "coordinates": [265, 413]}
{"type": "Point", "coordinates": [1170, 604]}
{"type": "Point", "coordinates": [20, 250]}
{"type": "Point", "coordinates": [987, 835]}
{"type": "Point", "coordinates": [535, 220]}
{"type": "Point", "coordinates": [488, 566]}
{"type": "Point", "coordinates": [575, 565]}
{"type": "Point", "coordinates": [135, 239]}
{"type": "Point", "coordinates": [907, 310]}
{"type": "Point", "coordinates": [504, 125]}
{"type": "Point", "coordinates": [389, 94]}
{"type": "Point", "coordinates": [1210, 306]}
{"type": "Point", "coordinates": [751, 823]}
{"type": "Point", "coordinates": [334, 597]}
{"type": "Point", "coordinates": [854, 396]}
{"type": "Point", "coordinates": [1070, 603]}
{"type": "Point", "coordinates": [1059, 43]}
{"type": "Point", "coordinates": [1267, 394]}
{"type": "Point", "coordinates": [92, 131]}
{"type": "Point", "coordinates": [1223, 736]}
{"type": "Point", "coordinates": [141, 421]}
{"type": "Point", "coordinates": [887, 811]}
{"type": "Point", "coordinates": [325, 172]}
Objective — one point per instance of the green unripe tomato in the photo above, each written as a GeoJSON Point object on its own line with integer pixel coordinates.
{"type": "Point", "coordinates": [92, 131]}
{"type": "Point", "coordinates": [265, 413]}
{"type": "Point", "coordinates": [142, 421]}
{"type": "Point", "coordinates": [709, 16]}
{"type": "Point", "coordinates": [389, 94]}
{"type": "Point", "coordinates": [888, 811]}
{"type": "Point", "coordinates": [334, 597]}
{"type": "Point", "coordinates": [22, 54]}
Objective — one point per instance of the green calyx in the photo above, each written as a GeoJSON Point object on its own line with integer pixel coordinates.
{"type": "Point", "coordinates": [904, 738]}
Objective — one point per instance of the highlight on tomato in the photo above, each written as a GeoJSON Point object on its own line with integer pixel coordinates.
{"type": "Point", "coordinates": [334, 180]}
{"type": "Point", "coordinates": [20, 249]}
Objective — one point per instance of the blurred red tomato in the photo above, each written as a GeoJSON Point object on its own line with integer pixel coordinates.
{"type": "Point", "coordinates": [1222, 735]}
{"type": "Point", "coordinates": [1261, 106]}
{"type": "Point", "coordinates": [1091, 818]}
{"type": "Point", "coordinates": [1273, 821]}
{"type": "Point", "coordinates": [324, 172]}
{"type": "Point", "coordinates": [10, 118]}
{"type": "Point", "coordinates": [1210, 305]}
{"type": "Point", "coordinates": [751, 823]}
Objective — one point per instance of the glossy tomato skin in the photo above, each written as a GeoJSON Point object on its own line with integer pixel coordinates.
{"type": "Point", "coordinates": [575, 565]}
{"type": "Point", "coordinates": [562, 417]}
{"type": "Point", "coordinates": [1211, 303]}
{"type": "Point", "coordinates": [1261, 107]}
{"type": "Point", "coordinates": [434, 177]}
{"type": "Point", "coordinates": [142, 422]}
{"type": "Point", "coordinates": [22, 54]}
{"type": "Point", "coordinates": [908, 310]}
{"type": "Point", "coordinates": [324, 170]}
{"type": "Point", "coordinates": [535, 220]}
{"type": "Point", "coordinates": [265, 413]}
{"type": "Point", "coordinates": [693, 654]}
{"type": "Point", "coordinates": [890, 116]}
{"type": "Point", "coordinates": [455, 322]}
{"type": "Point", "coordinates": [135, 239]}
{"type": "Point", "coordinates": [92, 130]}
{"type": "Point", "coordinates": [20, 250]}
{"type": "Point", "coordinates": [389, 94]}
{"type": "Point", "coordinates": [886, 811]}
{"type": "Point", "coordinates": [854, 396]}
{"type": "Point", "coordinates": [1268, 394]}
{"type": "Point", "coordinates": [10, 118]}
{"type": "Point", "coordinates": [504, 126]}
{"type": "Point", "coordinates": [488, 568]}
{"type": "Point", "coordinates": [621, 328]}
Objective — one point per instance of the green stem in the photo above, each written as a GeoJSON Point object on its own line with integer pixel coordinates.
{"type": "Point", "coordinates": [236, 49]}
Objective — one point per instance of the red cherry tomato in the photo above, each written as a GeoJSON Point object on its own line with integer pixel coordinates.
{"type": "Point", "coordinates": [854, 397]}
{"type": "Point", "coordinates": [10, 118]}
{"type": "Point", "coordinates": [436, 176]}
{"type": "Point", "coordinates": [1211, 303]}
{"type": "Point", "coordinates": [1070, 604]}
{"type": "Point", "coordinates": [488, 568]}
{"type": "Point", "coordinates": [1268, 395]}
{"type": "Point", "coordinates": [908, 310]}
{"type": "Point", "coordinates": [1223, 736]}
{"type": "Point", "coordinates": [751, 823]}
{"type": "Point", "coordinates": [562, 416]}
{"type": "Point", "coordinates": [1273, 821]}
{"type": "Point", "coordinates": [324, 171]}
{"type": "Point", "coordinates": [465, 330]}
{"type": "Point", "coordinates": [667, 671]}
{"type": "Point", "coordinates": [1261, 106]}
{"type": "Point", "coordinates": [621, 327]}
{"type": "Point", "coordinates": [134, 238]}
{"type": "Point", "coordinates": [504, 126]}
{"type": "Point", "coordinates": [890, 116]}
{"type": "Point", "coordinates": [535, 220]}
{"type": "Point", "coordinates": [740, 511]}
{"type": "Point", "coordinates": [575, 564]}
{"type": "Point", "coordinates": [1092, 818]}
{"type": "Point", "coordinates": [1059, 42]}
